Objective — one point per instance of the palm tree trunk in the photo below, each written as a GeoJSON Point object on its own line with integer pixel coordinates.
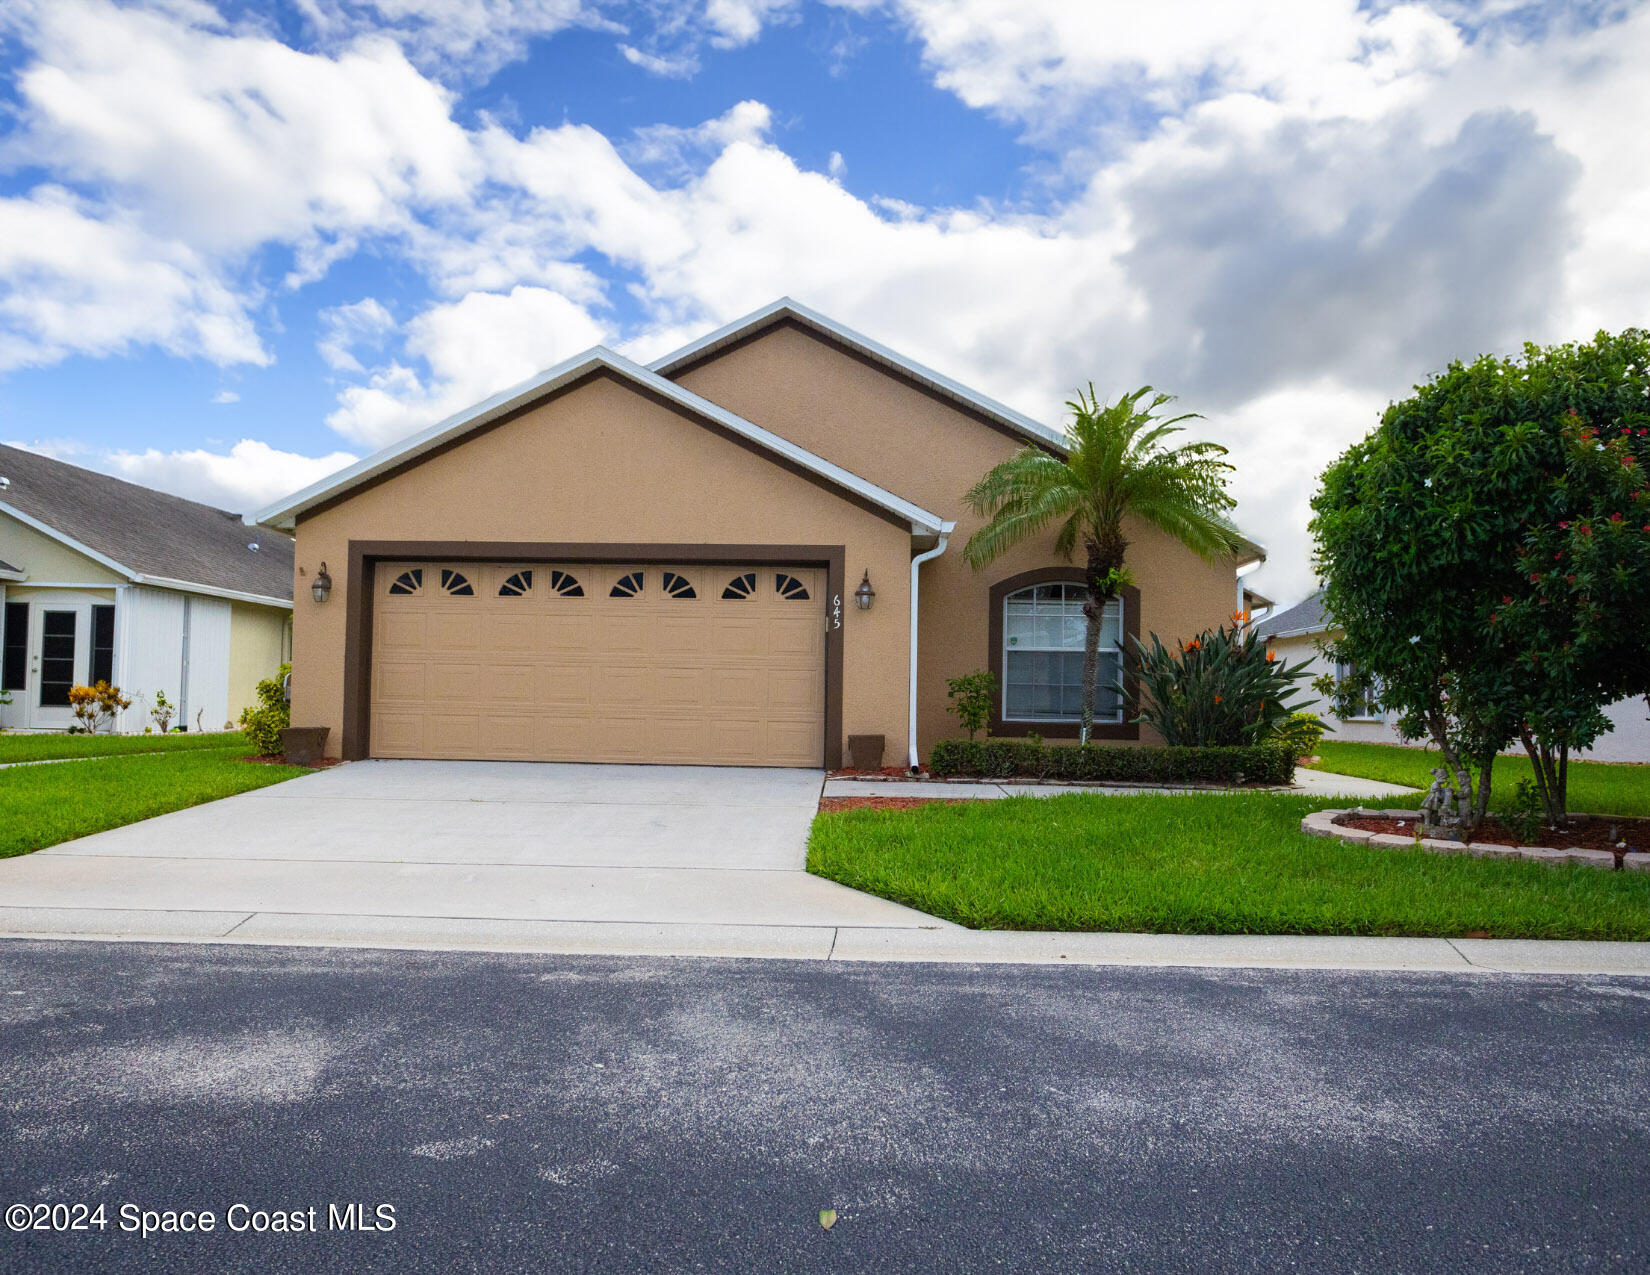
{"type": "Point", "coordinates": [1103, 559]}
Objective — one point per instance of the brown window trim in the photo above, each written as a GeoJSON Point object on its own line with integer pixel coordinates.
{"type": "Point", "coordinates": [364, 555]}
{"type": "Point", "coordinates": [1061, 730]}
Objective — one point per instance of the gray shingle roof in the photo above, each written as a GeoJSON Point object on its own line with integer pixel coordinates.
{"type": "Point", "coordinates": [146, 531]}
{"type": "Point", "coordinates": [1303, 617]}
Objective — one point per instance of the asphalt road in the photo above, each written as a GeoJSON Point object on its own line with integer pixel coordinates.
{"type": "Point", "coordinates": [601, 1114]}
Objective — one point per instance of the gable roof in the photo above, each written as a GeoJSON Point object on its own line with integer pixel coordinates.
{"type": "Point", "coordinates": [788, 310]}
{"type": "Point", "coordinates": [147, 536]}
{"type": "Point", "coordinates": [1302, 618]}
{"type": "Point", "coordinates": [284, 514]}
{"type": "Point", "coordinates": [785, 309]}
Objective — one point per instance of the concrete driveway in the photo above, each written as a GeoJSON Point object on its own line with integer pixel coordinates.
{"type": "Point", "coordinates": [385, 850]}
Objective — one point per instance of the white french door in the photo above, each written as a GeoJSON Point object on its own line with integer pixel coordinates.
{"type": "Point", "coordinates": [60, 656]}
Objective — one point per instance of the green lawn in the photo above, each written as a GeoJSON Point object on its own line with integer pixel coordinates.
{"type": "Point", "coordinates": [47, 747]}
{"type": "Point", "coordinates": [1203, 864]}
{"type": "Point", "coordinates": [1600, 788]}
{"type": "Point", "coordinates": [43, 805]}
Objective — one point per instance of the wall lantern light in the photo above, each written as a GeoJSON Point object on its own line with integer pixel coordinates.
{"type": "Point", "coordinates": [323, 584]}
{"type": "Point", "coordinates": [865, 594]}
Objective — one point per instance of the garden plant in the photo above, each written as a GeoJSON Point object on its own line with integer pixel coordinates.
{"type": "Point", "coordinates": [1221, 688]}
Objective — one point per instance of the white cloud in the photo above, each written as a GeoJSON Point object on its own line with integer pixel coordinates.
{"type": "Point", "coordinates": [226, 396]}
{"type": "Point", "coordinates": [73, 282]}
{"type": "Point", "coordinates": [195, 147]}
{"type": "Point", "coordinates": [249, 476]}
{"type": "Point", "coordinates": [473, 348]}
{"type": "Point", "coordinates": [343, 327]}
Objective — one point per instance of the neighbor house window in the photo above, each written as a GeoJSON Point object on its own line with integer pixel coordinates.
{"type": "Point", "coordinates": [1043, 656]}
{"type": "Point", "coordinates": [103, 644]}
{"type": "Point", "coordinates": [1368, 705]}
{"type": "Point", "coordinates": [14, 647]}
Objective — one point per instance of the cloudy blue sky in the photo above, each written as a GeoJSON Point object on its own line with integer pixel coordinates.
{"type": "Point", "coordinates": [241, 244]}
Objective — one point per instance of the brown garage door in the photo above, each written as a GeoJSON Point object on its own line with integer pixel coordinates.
{"type": "Point", "coordinates": [638, 662]}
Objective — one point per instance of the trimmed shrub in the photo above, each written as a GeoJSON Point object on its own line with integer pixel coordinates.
{"type": "Point", "coordinates": [1091, 763]}
{"type": "Point", "coordinates": [263, 725]}
{"type": "Point", "coordinates": [1301, 734]}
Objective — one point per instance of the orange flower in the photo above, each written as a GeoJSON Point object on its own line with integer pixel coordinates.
{"type": "Point", "coordinates": [1217, 699]}
{"type": "Point", "coordinates": [1194, 645]}
{"type": "Point", "coordinates": [1270, 656]}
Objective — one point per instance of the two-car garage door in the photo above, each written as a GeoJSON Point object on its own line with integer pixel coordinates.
{"type": "Point", "coordinates": [628, 662]}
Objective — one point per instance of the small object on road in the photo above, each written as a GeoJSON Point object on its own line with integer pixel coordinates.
{"type": "Point", "coordinates": [827, 1218]}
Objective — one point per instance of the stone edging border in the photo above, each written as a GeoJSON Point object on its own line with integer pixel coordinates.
{"type": "Point", "coordinates": [1321, 823]}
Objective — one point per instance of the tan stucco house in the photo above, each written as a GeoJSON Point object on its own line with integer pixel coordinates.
{"type": "Point", "coordinates": [620, 563]}
{"type": "Point", "coordinates": [101, 579]}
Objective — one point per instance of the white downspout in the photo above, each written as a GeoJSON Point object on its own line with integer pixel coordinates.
{"type": "Point", "coordinates": [936, 551]}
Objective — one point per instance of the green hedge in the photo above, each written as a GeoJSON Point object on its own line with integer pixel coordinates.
{"type": "Point", "coordinates": [1022, 759]}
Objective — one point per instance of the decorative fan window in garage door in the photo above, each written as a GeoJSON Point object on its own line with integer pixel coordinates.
{"type": "Point", "coordinates": [408, 582]}
{"type": "Point", "coordinates": [628, 586]}
{"type": "Point", "coordinates": [565, 585]}
{"type": "Point", "coordinates": [457, 584]}
{"type": "Point", "coordinates": [1043, 656]}
{"type": "Point", "coordinates": [676, 586]}
{"type": "Point", "coordinates": [790, 588]}
{"type": "Point", "coordinates": [741, 586]}
{"type": "Point", "coordinates": [517, 584]}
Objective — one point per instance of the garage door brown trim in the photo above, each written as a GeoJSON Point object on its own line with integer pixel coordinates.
{"type": "Point", "coordinates": [364, 554]}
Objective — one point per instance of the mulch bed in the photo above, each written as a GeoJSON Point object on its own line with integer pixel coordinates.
{"type": "Point", "coordinates": [1585, 832]}
{"type": "Point", "coordinates": [830, 804]}
{"type": "Point", "coordinates": [279, 759]}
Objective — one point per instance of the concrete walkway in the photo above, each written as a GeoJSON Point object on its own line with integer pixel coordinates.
{"type": "Point", "coordinates": [1310, 783]}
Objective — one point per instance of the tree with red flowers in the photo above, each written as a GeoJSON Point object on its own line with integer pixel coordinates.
{"type": "Point", "coordinates": [1487, 553]}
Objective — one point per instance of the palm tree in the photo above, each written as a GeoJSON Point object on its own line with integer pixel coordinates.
{"type": "Point", "coordinates": [1115, 464]}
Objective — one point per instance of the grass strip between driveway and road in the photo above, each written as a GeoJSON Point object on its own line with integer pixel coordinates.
{"type": "Point", "coordinates": [15, 748]}
{"type": "Point", "coordinates": [1204, 864]}
{"type": "Point", "coordinates": [1595, 787]}
{"type": "Point", "coordinates": [41, 806]}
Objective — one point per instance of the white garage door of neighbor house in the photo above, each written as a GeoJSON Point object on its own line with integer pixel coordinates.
{"type": "Point", "coordinates": [640, 662]}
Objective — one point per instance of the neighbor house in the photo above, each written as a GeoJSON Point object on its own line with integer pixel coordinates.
{"type": "Point", "coordinates": [743, 553]}
{"type": "Point", "coordinates": [101, 579]}
{"type": "Point", "coordinates": [1301, 631]}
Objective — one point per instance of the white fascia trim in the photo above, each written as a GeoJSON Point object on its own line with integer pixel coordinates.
{"type": "Point", "coordinates": [284, 514]}
{"type": "Point", "coordinates": [212, 591]}
{"type": "Point", "coordinates": [1306, 632]}
{"type": "Point", "coordinates": [1018, 421]}
{"type": "Point", "coordinates": [14, 577]}
{"type": "Point", "coordinates": [47, 530]}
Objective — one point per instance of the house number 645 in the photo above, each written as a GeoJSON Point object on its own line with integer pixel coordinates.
{"type": "Point", "coordinates": [836, 611]}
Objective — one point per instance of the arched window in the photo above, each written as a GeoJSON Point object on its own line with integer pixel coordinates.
{"type": "Point", "coordinates": [457, 584]}
{"type": "Point", "coordinates": [565, 585]}
{"type": "Point", "coordinates": [1043, 656]}
{"type": "Point", "coordinates": [676, 586]}
{"type": "Point", "coordinates": [628, 586]}
{"type": "Point", "coordinates": [741, 586]}
{"type": "Point", "coordinates": [409, 581]}
{"type": "Point", "coordinates": [518, 584]}
{"type": "Point", "coordinates": [790, 587]}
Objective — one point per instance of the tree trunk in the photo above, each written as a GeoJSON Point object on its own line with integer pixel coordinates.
{"type": "Point", "coordinates": [1105, 555]}
{"type": "Point", "coordinates": [1551, 775]}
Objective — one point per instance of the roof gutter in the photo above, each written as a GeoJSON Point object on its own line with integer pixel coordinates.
{"type": "Point", "coordinates": [213, 591]}
{"type": "Point", "coordinates": [916, 564]}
